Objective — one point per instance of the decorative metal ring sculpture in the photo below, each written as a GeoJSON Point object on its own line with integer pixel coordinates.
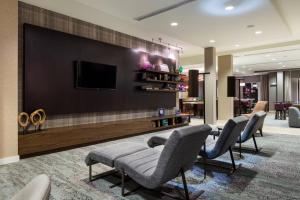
{"type": "Point", "coordinates": [23, 119]}
{"type": "Point", "coordinates": [43, 116]}
{"type": "Point", "coordinates": [35, 118]}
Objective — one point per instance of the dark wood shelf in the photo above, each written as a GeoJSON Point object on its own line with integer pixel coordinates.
{"type": "Point", "coordinates": [160, 90]}
{"type": "Point", "coordinates": [166, 117]}
{"type": "Point", "coordinates": [160, 72]}
{"type": "Point", "coordinates": [54, 139]}
{"type": "Point", "coordinates": [161, 81]}
{"type": "Point", "coordinates": [172, 126]}
{"type": "Point", "coordinates": [169, 121]}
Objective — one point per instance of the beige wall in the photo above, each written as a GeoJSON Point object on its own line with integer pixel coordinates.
{"type": "Point", "coordinates": [225, 104]}
{"type": "Point", "coordinates": [8, 78]}
{"type": "Point", "coordinates": [192, 60]}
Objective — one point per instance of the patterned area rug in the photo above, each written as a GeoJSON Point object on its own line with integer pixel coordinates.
{"type": "Point", "coordinates": [272, 174]}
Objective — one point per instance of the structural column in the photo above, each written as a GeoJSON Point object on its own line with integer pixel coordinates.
{"type": "Point", "coordinates": [225, 104]}
{"type": "Point", "coordinates": [210, 85]}
{"type": "Point", "coordinates": [8, 81]}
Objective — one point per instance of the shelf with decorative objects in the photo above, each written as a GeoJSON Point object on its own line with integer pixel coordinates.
{"type": "Point", "coordinates": [170, 121]}
{"type": "Point", "coordinates": [160, 81]}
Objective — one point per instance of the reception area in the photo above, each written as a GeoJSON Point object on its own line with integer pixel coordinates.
{"type": "Point", "coordinates": [187, 99]}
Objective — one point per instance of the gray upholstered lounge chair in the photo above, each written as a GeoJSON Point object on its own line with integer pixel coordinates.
{"type": "Point", "coordinates": [251, 128]}
{"type": "Point", "coordinates": [151, 168]}
{"type": "Point", "coordinates": [294, 117]}
{"type": "Point", "coordinates": [37, 189]}
{"type": "Point", "coordinates": [226, 140]}
{"type": "Point", "coordinates": [261, 123]}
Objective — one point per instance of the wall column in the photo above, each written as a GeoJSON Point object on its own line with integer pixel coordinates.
{"type": "Point", "coordinates": [210, 85]}
{"type": "Point", "coordinates": [280, 86]}
{"type": "Point", "coordinates": [8, 81]}
{"type": "Point", "coordinates": [225, 104]}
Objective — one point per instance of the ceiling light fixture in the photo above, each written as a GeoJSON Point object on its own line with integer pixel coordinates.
{"type": "Point", "coordinates": [174, 24]}
{"type": "Point", "coordinates": [283, 66]}
{"type": "Point", "coordinates": [237, 45]}
{"type": "Point", "coordinates": [212, 41]}
{"type": "Point", "coordinates": [229, 8]}
{"type": "Point", "coordinates": [258, 32]}
{"type": "Point", "coordinates": [268, 55]}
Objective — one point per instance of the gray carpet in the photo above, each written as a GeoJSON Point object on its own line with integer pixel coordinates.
{"type": "Point", "coordinates": [272, 174]}
{"type": "Point", "coordinates": [271, 121]}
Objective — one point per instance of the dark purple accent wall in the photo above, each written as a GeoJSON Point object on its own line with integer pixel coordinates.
{"type": "Point", "coordinates": [49, 75]}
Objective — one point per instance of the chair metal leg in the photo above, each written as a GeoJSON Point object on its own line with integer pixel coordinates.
{"type": "Point", "coordinates": [123, 183]}
{"type": "Point", "coordinates": [187, 196]}
{"type": "Point", "coordinates": [232, 159]}
{"type": "Point", "coordinates": [261, 133]}
{"type": "Point", "coordinates": [90, 173]}
{"type": "Point", "coordinates": [101, 175]}
{"type": "Point", "coordinates": [240, 145]}
{"type": "Point", "coordinates": [204, 164]}
{"type": "Point", "coordinates": [256, 149]}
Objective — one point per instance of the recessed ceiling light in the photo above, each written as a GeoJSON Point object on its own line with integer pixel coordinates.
{"type": "Point", "coordinates": [274, 59]}
{"type": "Point", "coordinates": [236, 45]}
{"type": "Point", "coordinates": [212, 41]}
{"type": "Point", "coordinates": [229, 8]}
{"type": "Point", "coordinates": [258, 32]}
{"type": "Point", "coordinates": [268, 55]}
{"type": "Point", "coordinates": [283, 66]}
{"type": "Point", "coordinates": [174, 24]}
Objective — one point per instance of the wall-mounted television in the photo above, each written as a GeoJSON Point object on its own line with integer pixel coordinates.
{"type": "Point", "coordinates": [89, 75]}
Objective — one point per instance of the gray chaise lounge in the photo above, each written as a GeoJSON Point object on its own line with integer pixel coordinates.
{"type": "Point", "coordinates": [228, 137]}
{"type": "Point", "coordinates": [251, 128]}
{"type": "Point", "coordinates": [151, 167]}
{"type": "Point", "coordinates": [226, 140]}
{"type": "Point", "coordinates": [294, 117]}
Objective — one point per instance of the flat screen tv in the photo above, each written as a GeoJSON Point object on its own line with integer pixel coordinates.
{"type": "Point", "coordinates": [89, 75]}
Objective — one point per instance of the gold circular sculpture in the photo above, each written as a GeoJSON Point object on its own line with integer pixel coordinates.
{"type": "Point", "coordinates": [35, 118]}
{"type": "Point", "coordinates": [23, 119]}
{"type": "Point", "coordinates": [43, 116]}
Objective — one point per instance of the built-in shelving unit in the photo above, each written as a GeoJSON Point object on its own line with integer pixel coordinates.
{"type": "Point", "coordinates": [170, 121]}
{"type": "Point", "coordinates": [159, 81]}
{"type": "Point", "coordinates": [54, 139]}
{"type": "Point", "coordinates": [159, 90]}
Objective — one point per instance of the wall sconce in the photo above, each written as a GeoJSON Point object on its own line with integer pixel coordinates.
{"type": "Point", "coordinates": [242, 84]}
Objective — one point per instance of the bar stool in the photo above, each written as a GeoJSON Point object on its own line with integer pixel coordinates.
{"type": "Point", "coordinates": [280, 111]}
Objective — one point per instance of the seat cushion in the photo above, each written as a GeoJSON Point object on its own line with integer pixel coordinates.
{"type": "Point", "coordinates": [108, 154]}
{"type": "Point", "coordinates": [139, 166]}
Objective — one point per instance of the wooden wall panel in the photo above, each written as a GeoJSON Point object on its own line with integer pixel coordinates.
{"type": "Point", "coordinates": [41, 17]}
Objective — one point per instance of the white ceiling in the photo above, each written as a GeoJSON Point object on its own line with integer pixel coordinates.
{"type": "Point", "coordinates": [199, 21]}
{"type": "Point", "coordinates": [281, 58]}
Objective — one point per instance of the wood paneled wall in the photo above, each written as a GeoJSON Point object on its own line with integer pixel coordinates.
{"type": "Point", "coordinates": [41, 17]}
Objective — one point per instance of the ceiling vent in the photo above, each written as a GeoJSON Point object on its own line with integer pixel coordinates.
{"type": "Point", "coordinates": [162, 10]}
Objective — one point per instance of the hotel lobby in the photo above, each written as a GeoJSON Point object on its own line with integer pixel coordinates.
{"type": "Point", "coordinates": [144, 100]}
